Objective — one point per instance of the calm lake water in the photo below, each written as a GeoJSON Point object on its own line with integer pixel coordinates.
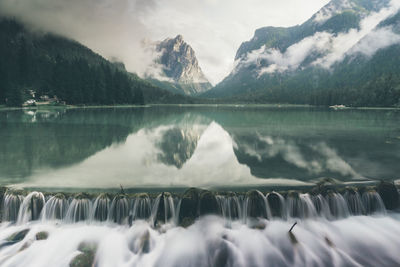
{"type": "Point", "coordinates": [172, 146]}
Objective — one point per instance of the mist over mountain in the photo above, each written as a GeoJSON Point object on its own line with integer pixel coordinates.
{"type": "Point", "coordinates": [176, 68]}
{"type": "Point", "coordinates": [52, 65]}
{"type": "Point", "coordinates": [346, 53]}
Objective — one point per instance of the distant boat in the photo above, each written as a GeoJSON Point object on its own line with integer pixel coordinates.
{"type": "Point", "coordinates": [336, 107]}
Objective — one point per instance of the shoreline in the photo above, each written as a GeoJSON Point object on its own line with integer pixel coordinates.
{"type": "Point", "coordinates": [221, 105]}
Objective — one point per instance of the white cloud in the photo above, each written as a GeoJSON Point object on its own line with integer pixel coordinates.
{"type": "Point", "coordinates": [376, 40]}
{"type": "Point", "coordinates": [367, 40]}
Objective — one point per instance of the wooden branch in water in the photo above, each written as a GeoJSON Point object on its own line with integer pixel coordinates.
{"type": "Point", "coordinates": [122, 189]}
{"type": "Point", "coordinates": [291, 228]}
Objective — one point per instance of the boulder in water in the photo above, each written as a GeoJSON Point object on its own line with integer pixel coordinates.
{"type": "Point", "coordinates": [208, 203]}
{"type": "Point", "coordinates": [42, 235]}
{"type": "Point", "coordinates": [189, 206]}
{"type": "Point", "coordinates": [18, 236]}
{"type": "Point", "coordinates": [86, 258]}
{"type": "Point", "coordinates": [275, 204]}
{"type": "Point", "coordinates": [256, 206]}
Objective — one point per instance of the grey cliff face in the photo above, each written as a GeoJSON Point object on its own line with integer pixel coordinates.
{"type": "Point", "coordinates": [179, 63]}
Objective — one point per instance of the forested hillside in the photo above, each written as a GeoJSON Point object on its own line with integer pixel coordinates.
{"type": "Point", "coordinates": [55, 66]}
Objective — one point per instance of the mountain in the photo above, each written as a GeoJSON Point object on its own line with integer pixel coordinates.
{"type": "Point", "coordinates": [180, 70]}
{"type": "Point", "coordinates": [346, 53]}
{"type": "Point", "coordinates": [52, 65]}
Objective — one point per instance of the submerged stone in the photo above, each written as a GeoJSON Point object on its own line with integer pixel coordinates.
{"type": "Point", "coordinates": [42, 235]}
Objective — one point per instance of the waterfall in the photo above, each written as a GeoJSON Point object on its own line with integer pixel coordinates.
{"type": "Point", "coordinates": [141, 207]}
{"type": "Point", "coordinates": [230, 206]}
{"type": "Point", "coordinates": [163, 209]}
{"type": "Point", "coordinates": [101, 207]}
{"type": "Point", "coordinates": [276, 203]}
{"type": "Point", "coordinates": [321, 206]}
{"type": "Point", "coordinates": [337, 205]}
{"type": "Point", "coordinates": [256, 205]}
{"type": "Point", "coordinates": [300, 206]}
{"type": "Point", "coordinates": [354, 202]}
{"type": "Point", "coordinates": [119, 210]}
{"type": "Point", "coordinates": [166, 208]}
{"type": "Point", "coordinates": [12, 202]}
{"type": "Point", "coordinates": [79, 209]}
{"type": "Point", "coordinates": [373, 202]}
{"type": "Point", "coordinates": [55, 208]}
{"type": "Point", "coordinates": [31, 207]}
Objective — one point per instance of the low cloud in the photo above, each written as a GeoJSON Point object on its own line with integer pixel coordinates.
{"type": "Point", "coordinates": [334, 47]}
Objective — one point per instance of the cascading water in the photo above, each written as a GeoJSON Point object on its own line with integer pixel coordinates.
{"type": "Point", "coordinates": [119, 210]}
{"type": "Point", "coordinates": [373, 202]}
{"type": "Point", "coordinates": [12, 202]}
{"type": "Point", "coordinates": [79, 209]}
{"type": "Point", "coordinates": [55, 208]}
{"type": "Point", "coordinates": [230, 206]}
{"type": "Point", "coordinates": [141, 207]}
{"type": "Point", "coordinates": [209, 240]}
{"type": "Point", "coordinates": [337, 205]}
{"type": "Point", "coordinates": [101, 208]}
{"type": "Point", "coordinates": [31, 207]}
{"type": "Point", "coordinates": [354, 202]}
{"type": "Point", "coordinates": [163, 209]}
{"type": "Point", "coordinates": [276, 202]}
{"type": "Point", "coordinates": [256, 205]}
{"type": "Point", "coordinates": [321, 206]}
{"type": "Point", "coordinates": [300, 206]}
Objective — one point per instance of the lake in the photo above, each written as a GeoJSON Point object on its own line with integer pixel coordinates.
{"type": "Point", "coordinates": [201, 146]}
{"type": "Point", "coordinates": [264, 164]}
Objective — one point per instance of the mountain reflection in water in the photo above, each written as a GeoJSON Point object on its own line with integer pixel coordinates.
{"type": "Point", "coordinates": [196, 146]}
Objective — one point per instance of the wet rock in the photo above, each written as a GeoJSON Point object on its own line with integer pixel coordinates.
{"type": "Point", "coordinates": [42, 235]}
{"type": "Point", "coordinates": [186, 222]}
{"type": "Point", "coordinates": [255, 204]}
{"type": "Point", "coordinates": [14, 238]}
{"type": "Point", "coordinates": [189, 206]}
{"type": "Point", "coordinates": [293, 238]}
{"type": "Point", "coordinates": [275, 204]}
{"type": "Point", "coordinates": [208, 203]}
{"type": "Point", "coordinates": [145, 243]}
{"type": "Point", "coordinates": [256, 224]}
{"type": "Point", "coordinates": [18, 236]}
{"type": "Point", "coordinates": [86, 258]}
{"type": "Point", "coordinates": [389, 195]}
{"type": "Point", "coordinates": [324, 187]}
{"type": "Point", "coordinates": [329, 242]}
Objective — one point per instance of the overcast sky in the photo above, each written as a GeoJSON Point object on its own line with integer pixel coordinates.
{"type": "Point", "coordinates": [118, 28]}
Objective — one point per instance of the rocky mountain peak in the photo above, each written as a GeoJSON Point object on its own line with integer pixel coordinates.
{"type": "Point", "coordinates": [179, 61]}
{"type": "Point", "coordinates": [180, 66]}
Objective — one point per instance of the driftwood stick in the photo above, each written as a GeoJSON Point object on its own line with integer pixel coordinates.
{"type": "Point", "coordinates": [122, 189]}
{"type": "Point", "coordinates": [291, 228]}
